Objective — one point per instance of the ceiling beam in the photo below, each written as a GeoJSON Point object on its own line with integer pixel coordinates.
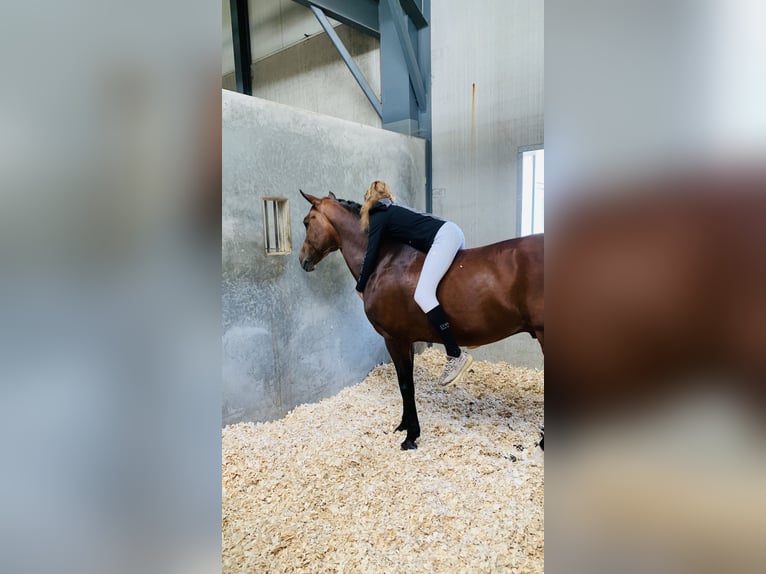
{"type": "Point", "coordinates": [414, 9]}
{"type": "Point", "coordinates": [359, 14]}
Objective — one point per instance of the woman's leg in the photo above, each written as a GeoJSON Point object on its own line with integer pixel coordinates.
{"type": "Point", "coordinates": [448, 241]}
{"type": "Point", "coordinates": [446, 244]}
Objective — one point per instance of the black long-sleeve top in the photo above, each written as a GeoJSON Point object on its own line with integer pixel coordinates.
{"type": "Point", "coordinates": [388, 220]}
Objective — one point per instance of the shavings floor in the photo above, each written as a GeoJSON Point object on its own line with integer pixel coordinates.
{"type": "Point", "coordinates": [327, 489]}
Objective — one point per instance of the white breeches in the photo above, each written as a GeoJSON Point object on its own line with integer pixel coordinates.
{"type": "Point", "coordinates": [448, 241]}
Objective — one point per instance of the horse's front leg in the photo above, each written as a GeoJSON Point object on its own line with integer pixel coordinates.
{"type": "Point", "coordinates": [402, 353]}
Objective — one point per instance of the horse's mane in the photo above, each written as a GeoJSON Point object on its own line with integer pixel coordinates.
{"type": "Point", "coordinates": [352, 206]}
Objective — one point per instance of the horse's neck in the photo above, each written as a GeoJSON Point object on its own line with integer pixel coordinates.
{"type": "Point", "coordinates": [353, 242]}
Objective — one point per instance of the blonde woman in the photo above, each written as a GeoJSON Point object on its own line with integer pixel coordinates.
{"type": "Point", "coordinates": [440, 240]}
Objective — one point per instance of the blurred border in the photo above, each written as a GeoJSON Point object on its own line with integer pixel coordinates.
{"type": "Point", "coordinates": [110, 293]}
{"type": "Point", "coordinates": [656, 189]}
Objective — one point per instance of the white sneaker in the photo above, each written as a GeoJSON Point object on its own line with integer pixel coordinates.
{"type": "Point", "coordinates": [455, 368]}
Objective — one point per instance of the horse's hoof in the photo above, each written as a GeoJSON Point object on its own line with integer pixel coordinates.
{"type": "Point", "coordinates": [401, 427]}
{"type": "Point", "coordinates": [409, 445]}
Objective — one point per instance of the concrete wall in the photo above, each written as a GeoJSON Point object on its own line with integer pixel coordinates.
{"type": "Point", "coordinates": [291, 337]}
{"type": "Point", "coordinates": [476, 139]}
{"type": "Point", "coordinates": [311, 75]}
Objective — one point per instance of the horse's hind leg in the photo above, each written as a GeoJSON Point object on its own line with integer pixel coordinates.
{"type": "Point", "coordinates": [402, 353]}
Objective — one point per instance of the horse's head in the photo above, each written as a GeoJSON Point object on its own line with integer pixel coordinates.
{"type": "Point", "coordinates": [321, 236]}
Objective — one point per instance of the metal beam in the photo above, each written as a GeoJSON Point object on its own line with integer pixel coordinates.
{"type": "Point", "coordinates": [414, 9]}
{"type": "Point", "coordinates": [359, 14]}
{"type": "Point", "coordinates": [240, 33]}
{"type": "Point", "coordinates": [400, 107]}
{"type": "Point", "coordinates": [355, 71]}
{"type": "Point", "coordinates": [416, 78]}
{"type": "Point", "coordinates": [424, 115]}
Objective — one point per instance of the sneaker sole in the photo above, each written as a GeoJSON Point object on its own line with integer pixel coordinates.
{"type": "Point", "coordinates": [461, 374]}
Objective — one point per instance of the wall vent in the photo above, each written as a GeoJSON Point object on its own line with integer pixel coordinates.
{"type": "Point", "coordinates": [276, 226]}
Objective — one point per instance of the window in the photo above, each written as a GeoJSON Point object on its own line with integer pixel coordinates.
{"type": "Point", "coordinates": [532, 212]}
{"type": "Point", "coordinates": [276, 226]}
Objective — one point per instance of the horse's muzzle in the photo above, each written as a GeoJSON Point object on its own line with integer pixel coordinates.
{"type": "Point", "coordinates": [307, 264]}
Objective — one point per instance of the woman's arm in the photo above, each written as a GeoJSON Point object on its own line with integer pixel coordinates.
{"type": "Point", "coordinates": [374, 239]}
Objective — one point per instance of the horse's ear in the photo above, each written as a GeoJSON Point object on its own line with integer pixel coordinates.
{"type": "Point", "coordinates": [332, 195]}
{"type": "Point", "coordinates": [310, 198]}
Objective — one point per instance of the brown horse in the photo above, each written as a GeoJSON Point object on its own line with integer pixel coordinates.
{"type": "Point", "coordinates": [489, 293]}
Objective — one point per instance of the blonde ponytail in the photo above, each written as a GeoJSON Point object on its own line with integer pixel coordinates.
{"type": "Point", "coordinates": [378, 190]}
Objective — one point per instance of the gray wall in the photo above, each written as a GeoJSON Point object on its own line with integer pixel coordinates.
{"type": "Point", "coordinates": [291, 337]}
{"type": "Point", "coordinates": [500, 49]}
{"type": "Point", "coordinates": [311, 75]}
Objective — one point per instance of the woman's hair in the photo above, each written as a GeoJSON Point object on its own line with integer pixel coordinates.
{"type": "Point", "coordinates": [378, 190]}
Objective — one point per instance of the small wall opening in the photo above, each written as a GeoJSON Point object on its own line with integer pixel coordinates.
{"type": "Point", "coordinates": [276, 226]}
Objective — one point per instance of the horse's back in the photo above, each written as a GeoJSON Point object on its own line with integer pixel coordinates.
{"type": "Point", "coordinates": [513, 268]}
{"type": "Point", "coordinates": [531, 246]}
{"type": "Point", "coordinates": [489, 292]}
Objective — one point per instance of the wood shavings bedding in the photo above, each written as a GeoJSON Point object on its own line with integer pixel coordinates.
{"type": "Point", "coordinates": [327, 489]}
